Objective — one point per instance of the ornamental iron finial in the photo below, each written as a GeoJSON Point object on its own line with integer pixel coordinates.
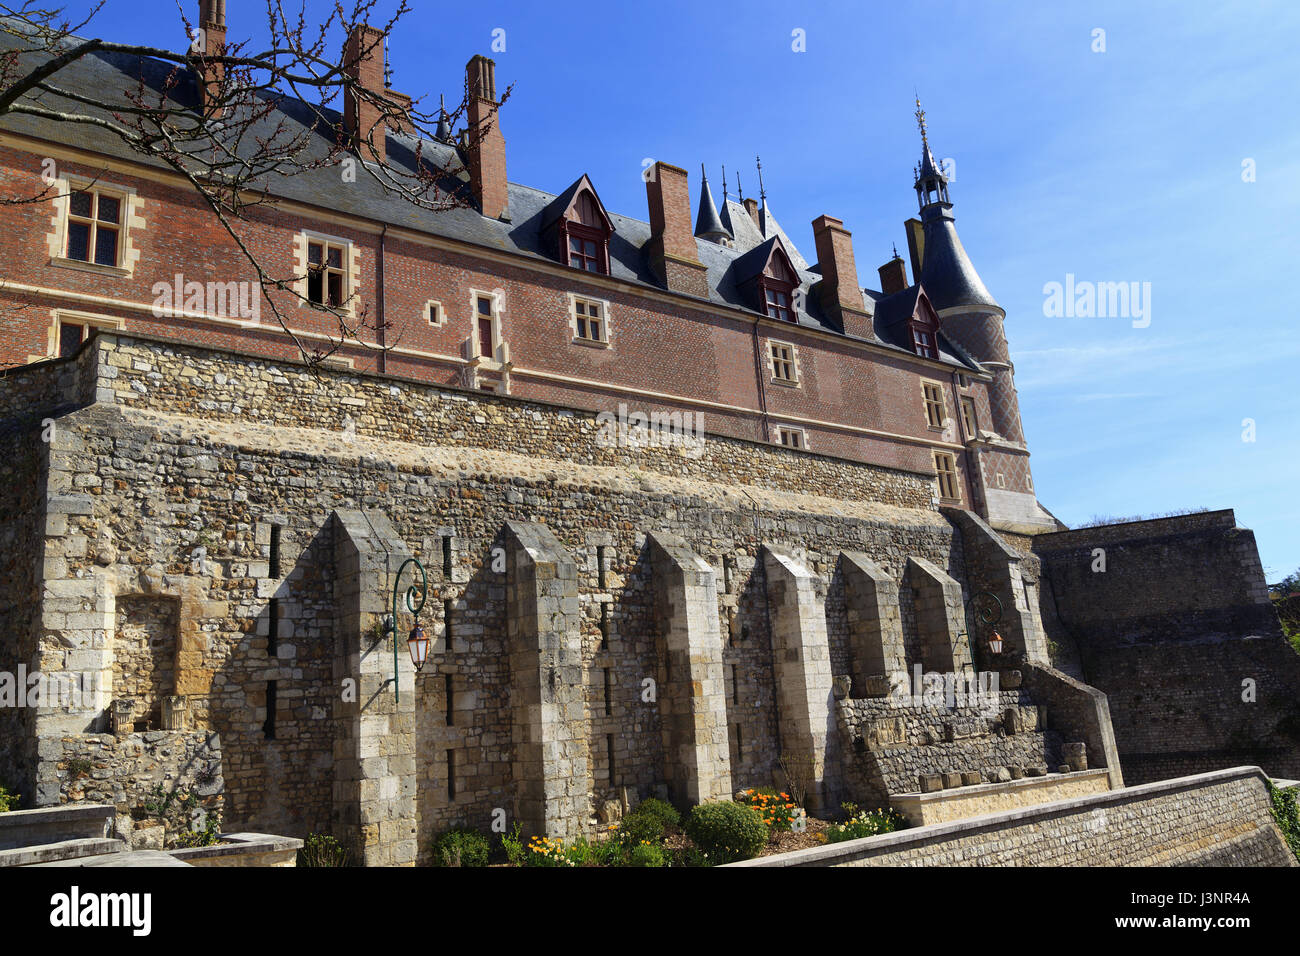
{"type": "Point", "coordinates": [920, 120]}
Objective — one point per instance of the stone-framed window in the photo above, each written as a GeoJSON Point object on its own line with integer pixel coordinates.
{"type": "Point", "coordinates": [69, 329]}
{"type": "Point", "coordinates": [969, 417]}
{"type": "Point", "coordinates": [329, 272]}
{"type": "Point", "coordinates": [485, 337]}
{"type": "Point", "coordinates": [589, 320]}
{"type": "Point", "coordinates": [94, 226]}
{"type": "Point", "coordinates": [783, 362]}
{"type": "Point", "coordinates": [435, 314]}
{"type": "Point", "coordinates": [792, 437]}
{"type": "Point", "coordinates": [936, 411]}
{"type": "Point", "coordinates": [945, 467]}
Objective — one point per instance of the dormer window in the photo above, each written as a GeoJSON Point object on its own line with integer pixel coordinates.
{"type": "Point", "coordinates": [923, 343]}
{"type": "Point", "coordinates": [578, 225]}
{"type": "Point", "coordinates": [587, 250]}
{"type": "Point", "coordinates": [767, 279]}
{"type": "Point", "coordinates": [778, 303]}
{"type": "Point", "coordinates": [924, 327]}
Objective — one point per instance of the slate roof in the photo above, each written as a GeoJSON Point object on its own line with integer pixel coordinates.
{"type": "Point", "coordinates": [947, 273]}
{"type": "Point", "coordinates": [101, 72]}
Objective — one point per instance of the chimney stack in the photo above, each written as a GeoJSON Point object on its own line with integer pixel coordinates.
{"type": "Point", "coordinates": [674, 257]}
{"type": "Point", "coordinates": [838, 289]}
{"type": "Point", "coordinates": [363, 60]}
{"type": "Point", "coordinates": [915, 245]}
{"type": "Point", "coordinates": [752, 206]}
{"type": "Point", "coordinates": [487, 159]}
{"type": "Point", "coordinates": [893, 275]}
{"type": "Point", "coordinates": [212, 42]}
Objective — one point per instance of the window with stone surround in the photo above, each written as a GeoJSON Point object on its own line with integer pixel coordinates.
{"type": "Point", "coordinates": [434, 313]}
{"type": "Point", "coordinates": [792, 437]}
{"type": "Point", "coordinates": [326, 278]}
{"type": "Point", "coordinates": [783, 362]}
{"type": "Point", "coordinates": [589, 320]}
{"type": "Point", "coordinates": [93, 226]}
{"type": "Point", "coordinates": [487, 324]}
{"type": "Point", "coordinates": [969, 418]}
{"type": "Point", "coordinates": [946, 470]}
{"type": "Point", "coordinates": [328, 270]}
{"type": "Point", "coordinates": [936, 414]}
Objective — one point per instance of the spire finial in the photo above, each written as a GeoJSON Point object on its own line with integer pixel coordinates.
{"type": "Point", "coordinates": [739, 188]}
{"type": "Point", "coordinates": [443, 131]}
{"type": "Point", "coordinates": [762, 195]}
{"type": "Point", "coordinates": [724, 184]}
{"type": "Point", "coordinates": [895, 245]}
{"type": "Point", "coordinates": [920, 120]}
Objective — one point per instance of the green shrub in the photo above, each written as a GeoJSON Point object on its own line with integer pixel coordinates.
{"type": "Point", "coordinates": [647, 854]}
{"type": "Point", "coordinates": [320, 850]}
{"type": "Point", "coordinates": [513, 846]}
{"type": "Point", "coordinates": [690, 856]}
{"type": "Point", "coordinates": [607, 853]}
{"type": "Point", "coordinates": [1287, 815]}
{"type": "Point", "coordinates": [8, 801]}
{"type": "Point", "coordinates": [726, 832]}
{"type": "Point", "coordinates": [638, 828]}
{"type": "Point", "coordinates": [865, 823]}
{"type": "Point", "coordinates": [647, 822]}
{"type": "Point", "coordinates": [461, 847]}
{"type": "Point", "coordinates": [210, 835]}
{"type": "Point", "coordinates": [662, 811]}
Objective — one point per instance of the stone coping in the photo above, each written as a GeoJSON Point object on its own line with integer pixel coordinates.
{"type": "Point", "coordinates": [1010, 786]}
{"type": "Point", "coordinates": [20, 828]}
{"type": "Point", "coordinates": [239, 844]}
{"type": "Point", "coordinates": [61, 852]}
{"type": "Point", "coordinates": [72, 812]}
{"type": "Point", "coordinates": [851, 849]}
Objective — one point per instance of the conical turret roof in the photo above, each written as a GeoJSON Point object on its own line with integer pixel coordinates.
{"type": "Point", "coordinates": [708, 224]}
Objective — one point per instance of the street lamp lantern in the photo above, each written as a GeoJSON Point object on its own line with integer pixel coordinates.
{"type": "Point", "coordinates": [995, 643]}
{"type": "Point", "coordinates": [418, 645]}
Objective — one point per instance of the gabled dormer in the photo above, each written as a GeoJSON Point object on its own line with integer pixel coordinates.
{"type": "Point", "coordinates": [924, 327]}
{"type": "Point", "coordinates": [577, 228]}
{"type": "Point", "coordinates": [767, 279]}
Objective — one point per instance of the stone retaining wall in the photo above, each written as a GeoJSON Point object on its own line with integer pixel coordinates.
{"type": "Point", "coordinates": [1214, 819]}
{"type": "Point", "coordinates": [1172, 621]}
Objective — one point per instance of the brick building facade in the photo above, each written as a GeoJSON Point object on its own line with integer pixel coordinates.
{"type": "Point", "coordinates": [687, 321]}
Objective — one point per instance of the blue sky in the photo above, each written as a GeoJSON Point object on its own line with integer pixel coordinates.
{"type": "Point", "coordinates": [1117, 166]}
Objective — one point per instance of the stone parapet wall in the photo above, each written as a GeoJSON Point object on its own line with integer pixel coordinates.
{"type": "Point", "coordinates": [224, 386]}
{"type": "Point", "coordinates": [923, 809]}
{"type": "Point", "coordinates": [1215, 819]}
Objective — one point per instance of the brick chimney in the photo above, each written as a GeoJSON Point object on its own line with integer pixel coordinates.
{"type": "Point", "coordinates": [487, 160]}
{"type": "Point", "coordinates": [672, 251]}
{"type": "Point", "coordinates": [752, 206]}
{"type": "Point", "coordinates": [212, 39]}
{"type": "Point", "coordinates": [915, 245]}
{"type": "Point", "coordinates": [363, 60]}
{"type": "Point", "coordinates": [838, 290]}
{"type": "Point", "coordinates": [893, 276]}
